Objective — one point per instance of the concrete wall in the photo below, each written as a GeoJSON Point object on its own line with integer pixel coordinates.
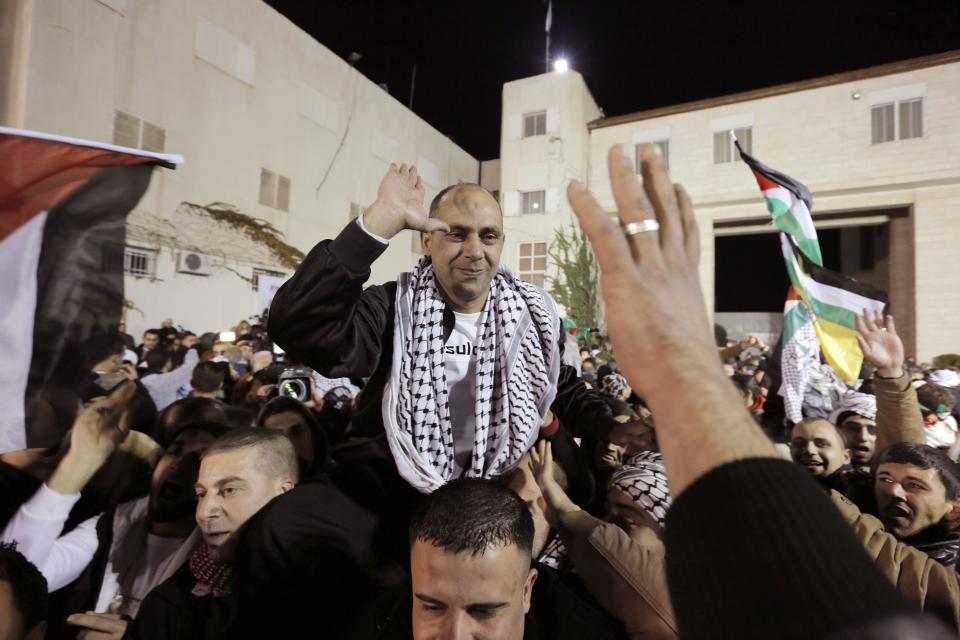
{"type": "Point", "coordinates": [822, 138]}
{"type": "Point", "coordinates": [546, 162]}
{"type": "Point", "coordinates": [237, 87]}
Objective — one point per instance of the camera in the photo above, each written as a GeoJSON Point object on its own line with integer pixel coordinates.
{"type": "Point", "coordinates": [294, 382]}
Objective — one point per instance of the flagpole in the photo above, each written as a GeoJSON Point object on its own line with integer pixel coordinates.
{"type": "Point", "coordinates": [548, 23]}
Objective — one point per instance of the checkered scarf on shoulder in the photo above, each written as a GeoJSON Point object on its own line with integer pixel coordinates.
{"type": "Point", "coordinates": [518, 364]}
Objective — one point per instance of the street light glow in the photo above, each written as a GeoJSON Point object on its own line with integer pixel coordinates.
{"type": "Point", "coordinates": [560, 65]}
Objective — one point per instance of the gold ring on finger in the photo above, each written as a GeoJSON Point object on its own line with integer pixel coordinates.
{"type": "Point", "coordinates": [643, 226]}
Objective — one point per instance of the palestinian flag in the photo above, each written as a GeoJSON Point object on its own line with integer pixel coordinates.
{"type": "Point", "coordinates": [832, 299]}
{"type": "Point", "coordinates": [835, 300]}
{"type": "Point", "coordinates": [63, 209]}
{"type": "Point", "coordinates": [789, 203]}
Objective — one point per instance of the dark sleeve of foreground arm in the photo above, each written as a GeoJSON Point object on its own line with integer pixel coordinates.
{"type": "Point", "coordinates": [323, 317]}
{"type": "Point", "coordinates": [756, 550]}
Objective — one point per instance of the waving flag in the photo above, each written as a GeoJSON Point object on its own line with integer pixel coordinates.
{"type": "Point", "coordinates": [63, 209]}
{"type": "Point", "coordinates": [831, 299]}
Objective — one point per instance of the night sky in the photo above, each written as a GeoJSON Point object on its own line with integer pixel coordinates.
{"type": "Point", "coordinates": [634, 54]}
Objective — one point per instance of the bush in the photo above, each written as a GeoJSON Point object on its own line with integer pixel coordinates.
{"type": "Point", "coordinates": [720, 335]}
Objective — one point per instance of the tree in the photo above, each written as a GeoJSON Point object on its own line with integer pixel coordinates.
{"type": "Point", "coordinates": [577, 285]}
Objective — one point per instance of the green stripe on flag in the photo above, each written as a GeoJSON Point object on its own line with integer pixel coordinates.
{"type": "Point", "coordinates": [793, 321]}
{"type": "Point", "coordinates": [784, 219]}
{"type": "Point", "coordinates": [829, 312]}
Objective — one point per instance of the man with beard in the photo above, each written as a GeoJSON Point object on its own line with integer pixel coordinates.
{"type": "Point", "coordinates": [113, 560]}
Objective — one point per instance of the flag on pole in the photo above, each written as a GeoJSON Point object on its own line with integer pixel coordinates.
{"type": "Point", "coordinates": [549, 21]}
{"type": "Point", "coordinates": [63, 208]}
{"type": "Point", "coordinates": [833, 300]}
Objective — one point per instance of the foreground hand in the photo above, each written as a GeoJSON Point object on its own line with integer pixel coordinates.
{"type": "Point", "coordinates": [651, 287]}
{"type": "Point", "coordinates": [400, 205]}
{"type": "Point", "coordinates": [541, 462]}
{"type": "Point", "coordinates": [99, 626]}
{"type": "Point", "coordinates": [881, 345]}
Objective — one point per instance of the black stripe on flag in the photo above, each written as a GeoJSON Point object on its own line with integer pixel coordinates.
{"type": "Point", "coordinates": [835, 279]}
{"type": "Point", "coordinates": [796, 187]}
{"type": "Point", "coordinates": [79, 295]}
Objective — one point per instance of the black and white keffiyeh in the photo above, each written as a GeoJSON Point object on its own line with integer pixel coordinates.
{"type": "Point", "coordinates": [644, 478]}
{"type": "Point", "coordinates": [518, 364]}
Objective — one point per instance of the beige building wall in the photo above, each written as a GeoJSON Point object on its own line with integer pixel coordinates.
{"type": "Point", "coordinates": [822, 137]}
{"type": "Point", "coordinates": [545, 162]}
{"type": "Point", "coordinates": [237, 88]}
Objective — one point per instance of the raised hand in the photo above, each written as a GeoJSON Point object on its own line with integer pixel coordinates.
{"type": "Point", "coordinates": [97, 431]}
{"type": "Point", "coordinates": [541, 462]}
{"type": "Point", "coordinates": [651, 287]}
{"type": "Point", "coordinates": [881, 345]}
{"type": "Point", "coordinates": [400, 205]}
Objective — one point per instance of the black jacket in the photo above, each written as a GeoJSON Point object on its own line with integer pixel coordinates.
{"type": "Point", "coordinates": [324, 318]}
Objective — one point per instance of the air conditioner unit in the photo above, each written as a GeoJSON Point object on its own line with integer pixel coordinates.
{"type": "Point", "coordinates": [192, 262]}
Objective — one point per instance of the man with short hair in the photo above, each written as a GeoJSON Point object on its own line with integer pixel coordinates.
{"type": "Point", "coordinates": [464, 358]}
{"type": "Point", "coordinates": [23, 597]}
{"type": "Point", "coordinates": [151, 339]}
{"type": "Point", "coordinates": [916, 489]}
{"type": "Point", "coordinates": [206, 381]}
{"type": "Point", "coordinates": [817, 446]}
{"type": "Point", "coordinates": [470, 562]}
{"type": "Point", "coordinates": [240, 472]}
{"type": "Point", "coordinates": [856, 417]}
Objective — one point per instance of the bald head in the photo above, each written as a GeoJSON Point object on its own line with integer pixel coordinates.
{"type": "Point", "coordinates": [464, 196]}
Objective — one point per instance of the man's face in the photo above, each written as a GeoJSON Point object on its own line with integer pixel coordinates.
{"type": "Point", "coordinates": [816, 446]}
{"type": "Point", "coordinates": [462, 595]}
{"type": "Point", "coordinates": [166, 324]}
{"type": "Point", "coordinates": [624, 511]}
{"type": "Point", "coordinates": [609, 455]}
{"type": "Point", "coordinates": [230, 489]}
{"type": "Point", "coordinates": [188, 341]}
{"type": "Point", "coordinates": [860, 435]}
{"type": "Point", "coordinates": [909, 499]}
{"type": "Point", "coordinates": [292, 425]}
{"type": "Point", "coordinates": [466, 258]}
{"type": "Point", "coordinates": [171, 490]}
{"type": "Point", "coordinates": [150, 340]}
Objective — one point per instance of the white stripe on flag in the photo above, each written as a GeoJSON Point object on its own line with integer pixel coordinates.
{"type": "Point", "coordinates": [797, 207]}
{"type": "Point", "coordinates": [833, 296]}
{"type": "Point", "coordinates": [19, 257]}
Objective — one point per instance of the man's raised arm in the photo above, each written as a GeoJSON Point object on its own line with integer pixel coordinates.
{"type": "Point", "coordinates": [322, 316]}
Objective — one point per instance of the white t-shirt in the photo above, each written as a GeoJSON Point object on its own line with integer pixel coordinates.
{"type": "Point", "coordinates": [460, 366]}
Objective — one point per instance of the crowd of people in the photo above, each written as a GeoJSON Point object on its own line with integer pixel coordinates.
{"type": "Point", "coordinates": [437, 457]}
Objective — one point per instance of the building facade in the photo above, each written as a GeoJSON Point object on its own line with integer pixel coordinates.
{"type": "Point", "coordinates": [878, 148]}
{"type": "Point", "coordinates": [275, 129]}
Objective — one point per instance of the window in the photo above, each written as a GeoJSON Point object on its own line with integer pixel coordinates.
{"type": "Point", "coordinates": [255, 280]}
{"type": "Point", "coordinates": [274, 190]}
{"type": "Point", "coordinates": [141, 263]}
{"type": "Point", "coordinates": [896, 121]}
{"type": "Point", "coordinates": [534, 124]}
{"type": "Point", "coordinates": [723, 148]}
{"type": "Point", "coordinates": [663, 146]}
{"type": "Point", "coordinates": [130, 131]}
{"type": "Point", "coordinates": [533, 262]}
{"type": "Point", "coordinates": [532, 201]}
